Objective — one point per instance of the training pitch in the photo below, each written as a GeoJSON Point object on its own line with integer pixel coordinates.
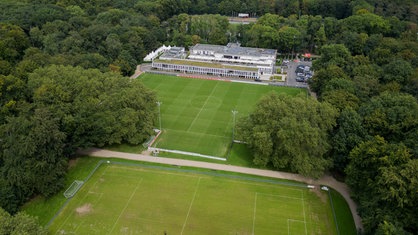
{"type": "Point", "coordinates": [196, 114]}
{"type": "Point", "coordinates": [138, 199]}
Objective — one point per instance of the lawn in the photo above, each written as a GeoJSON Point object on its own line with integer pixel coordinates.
{"type": "Point", "coordinates": [140, 199]}
{"type": "Point", "coordinates": [196, 114]}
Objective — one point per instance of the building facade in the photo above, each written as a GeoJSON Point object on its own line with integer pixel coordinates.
{"type": "Point", "coordinates": [231, 60]}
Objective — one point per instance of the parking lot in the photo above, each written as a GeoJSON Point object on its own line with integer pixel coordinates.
{"type": "Point", "coordinates": [292, 76]}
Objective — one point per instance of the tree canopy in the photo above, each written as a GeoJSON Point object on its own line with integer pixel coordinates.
{"type": "Point", "coordinates": [21, 223]}
{"type": "Point", "coordinates": [290, 133]}
{"type": "Point", "coordinates": [384, 180]}
{"type": "Point", "coordinates": [62, 87]}
{"type": "Point", "coordinates": [69, 108]}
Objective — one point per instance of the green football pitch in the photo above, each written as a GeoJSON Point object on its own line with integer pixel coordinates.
{"type": "Point", "coordinates": [139, 199]}
{"type": "Point", "coordinates": [196, 114]}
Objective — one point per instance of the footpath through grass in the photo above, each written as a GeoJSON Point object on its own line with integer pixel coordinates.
{"type": "Point", "coordinates": [139, 199]}
{"type": "Point", "coordinates": [196, 114]}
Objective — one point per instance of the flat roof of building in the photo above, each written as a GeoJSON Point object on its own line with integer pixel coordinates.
{"type": "Point", "coordinates": [174, 53]}
{"type": "Point", "coordinates": [235, 49]}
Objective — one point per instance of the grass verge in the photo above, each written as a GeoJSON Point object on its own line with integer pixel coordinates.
{"type": "Point", "coordinates": [345, 220]}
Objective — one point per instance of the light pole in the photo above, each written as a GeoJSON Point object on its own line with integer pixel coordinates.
{"type": "Point", "coordinates": [159, 112]}
{"type": "Point", "coordinates": [234, 113]}
{"type": "Point", "coordinates": [293, 47]}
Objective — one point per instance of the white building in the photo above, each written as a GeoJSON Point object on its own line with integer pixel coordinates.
{"type": "Point", "coordinates": [230, 60]}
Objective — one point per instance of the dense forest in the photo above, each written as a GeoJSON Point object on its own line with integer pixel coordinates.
{"type": "Point", "coordinates": [63, 86]}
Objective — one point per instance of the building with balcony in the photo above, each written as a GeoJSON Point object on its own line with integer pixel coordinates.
{"type": "Point", "coordinates": [231, 60]}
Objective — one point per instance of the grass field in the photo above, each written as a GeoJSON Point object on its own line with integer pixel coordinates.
{"type": "Point", "coordinates": [122, 199]}
{"type": "Point", "coordinates": [197, 115]}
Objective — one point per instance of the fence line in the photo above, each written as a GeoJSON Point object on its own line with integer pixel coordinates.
{"type": "Point", "coordinates": [153, 149]}
{"type": "Point", "coordinates": [68, 199]}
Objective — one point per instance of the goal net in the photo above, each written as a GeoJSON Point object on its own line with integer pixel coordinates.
{"type": "Point", "coordinates": [74, 187]}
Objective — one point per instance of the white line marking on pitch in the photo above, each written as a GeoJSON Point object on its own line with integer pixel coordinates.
{"type": "Point", "coordinates": [292, 220]}
{"type": "Point", "coordinates": [206, 101]}
{"type": "Point", "coordinates": [255, 209]}
{"type": "Point", "coordinates": [191, 204]}
{"type": "Point", "coordinates": [277, 195]}
{"type": "Point", "coordinates": [126, 206]}
{"type": "Point", "coordinates": [304, 215]}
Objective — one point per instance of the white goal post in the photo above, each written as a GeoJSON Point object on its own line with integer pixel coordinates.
{"type": "Point", "coordinates": [74, 187]}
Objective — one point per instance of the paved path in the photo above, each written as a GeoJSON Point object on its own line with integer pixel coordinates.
{"type": "Point", "coordinates": [326, 180]}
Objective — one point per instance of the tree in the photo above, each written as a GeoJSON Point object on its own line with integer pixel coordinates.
{"type": "Point", "coordinates": [290, 133]}
{"type": "Point", "coordinates": [12, 90]}
{"type": "Point", "coordinates": [94, 108]}
{"type": "Point", "coordinates": [324, 75]}
{"type": "Point", "coordinates": [210, 28]}
{"type": "Point", "coordinates": [262, 36]}
{"type": "Point", "coordinates": [397, 71]}
{"type": "Point", "coordinates": [365, 22]}
{"type": "Point", "coordinates": [336, 54]}
{"type": "Point", "coordinates": [388, 228]}
{"type": "Point", "coordinates": [32, 159]}
{"type": "Point", "coordinates": [21, 223]}
{"type": "Point", "coordinates": [348, 133]}
{"type": "Point", "coordinates": [394, 116]}
{"type": "Point", "coordinates": [384, 180]}
{"type": "Point", "coordinates": [341, 99]}
{"type": "Point", "coordinates": [355, 42]}
{"type": "Point", "coordinates": [13, 41]}
{"type": "Point", "coordinates": [288, 39]}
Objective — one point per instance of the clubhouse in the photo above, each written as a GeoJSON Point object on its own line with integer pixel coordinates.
{"type": "Point", "coordinates": [231, 60]}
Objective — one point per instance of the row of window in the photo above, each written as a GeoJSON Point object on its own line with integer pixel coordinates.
{"type": "Point", "coordinates": [209, 71]}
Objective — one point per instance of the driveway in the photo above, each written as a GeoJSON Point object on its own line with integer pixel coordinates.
{"type": "Point", "coordinates": [325, 180]}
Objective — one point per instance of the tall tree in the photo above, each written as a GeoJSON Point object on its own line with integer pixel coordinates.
{"type": "Point", "coordinates": [93, 107]}
{"type": "Point", "coordinates": [347, 135]}
{"type": "Point", "coordinates": [290, 133]}
{"type": "Point", "coordinates": [32, 159]}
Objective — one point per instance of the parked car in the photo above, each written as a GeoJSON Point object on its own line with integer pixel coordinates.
{"type": "Point", "coordinates": [300, 69]}
{"type": "Point", "coordinates": [300, 79]}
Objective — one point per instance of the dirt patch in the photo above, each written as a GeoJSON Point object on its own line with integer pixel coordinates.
{"type": "Point", "coordinates": [72, 163]}
{"type": "Point", "coordinates": [146, 152]}
{"type": "Point", "coordinates": [84, 209]}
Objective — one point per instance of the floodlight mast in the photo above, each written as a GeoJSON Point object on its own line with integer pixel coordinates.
{"type": "Point", "coordinates": [234, 113]}
{"type": "Point", "coordinates": [159, 112]}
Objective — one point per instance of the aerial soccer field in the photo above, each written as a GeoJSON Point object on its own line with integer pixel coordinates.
{"type": "Point", "coordinates": [196, 114]}
{"type": "Point", "coordinates": [138, 199]}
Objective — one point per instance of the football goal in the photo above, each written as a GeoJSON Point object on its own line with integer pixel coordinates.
{"type": "Point", "coordinates": [74, 187]}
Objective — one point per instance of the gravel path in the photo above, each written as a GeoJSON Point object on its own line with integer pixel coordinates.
{"type": "Point", "coordinates": [326, 180]}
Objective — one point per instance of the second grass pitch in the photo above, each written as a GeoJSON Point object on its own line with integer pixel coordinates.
{"type": "Point", "coordinates": [131, 198]}
{"type": "Point", "coordinates": [197, 114]}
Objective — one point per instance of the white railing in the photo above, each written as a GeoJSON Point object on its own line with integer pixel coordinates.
{"type": "Point", "coordinates": [153, 54]}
